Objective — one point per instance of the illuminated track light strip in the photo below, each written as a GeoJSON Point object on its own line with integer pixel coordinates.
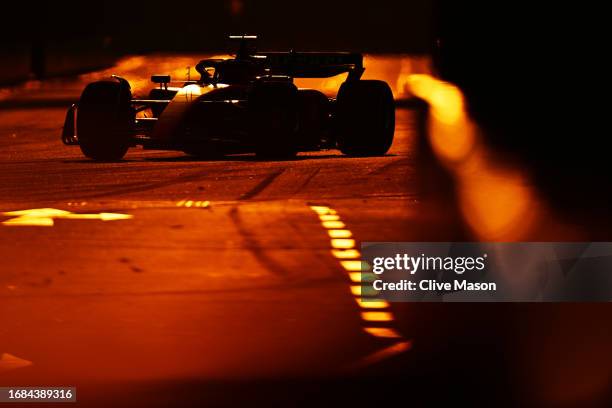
{"type": "Point", "coordinates": [339, 233]}
{"type": "Point", "coordinates": [322, 210]}
{"type": "Point", "coordinates": [374, 312]}
{"type": "Point", "coordinates": [360, 277]}
{"type": "Point", "coordinates": [363, 291]}
{"type": "Point", "coordinates": [333, 224]}
{"type": "Point", "coordinates": [356, 290]}
{"type": "Point", "coordinates": [366, 303]}
{"type": "Point", "coordinates": [342, 243]}
{"type": "Point", "coordinates": [383, 332]}
{"type": "Point", "coordinates": [346, 253]}
{"type": "Point", "coordinates": [351, 266]}
{"type": "Point", "coordinates": [377, 316]}
{"type": "Point", "coordinates": [191, 203]}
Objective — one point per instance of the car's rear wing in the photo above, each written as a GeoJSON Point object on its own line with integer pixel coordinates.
{"type": "Point", "coordinates": [313, 64]}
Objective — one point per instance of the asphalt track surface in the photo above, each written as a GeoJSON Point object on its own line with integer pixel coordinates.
{"type": "Point", "coordinates": [222, 272]}
{"type": "Point", "coordinates": [219, 286]}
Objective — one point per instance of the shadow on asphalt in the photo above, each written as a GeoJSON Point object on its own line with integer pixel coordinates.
{"type": "Point", "coordinates": [238, 158]}
{"type": "Point", "coordinates": [43, 103]}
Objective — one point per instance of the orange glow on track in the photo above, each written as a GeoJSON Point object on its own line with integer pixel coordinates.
{"type": "Point", "coordinates": [393, 69]}
{"type": "Point", "coordinates": [382, 332]}
{"type": "Point", "coordinates": [390, 351]}
{"type": "Point", "coordinates": [137, 69]}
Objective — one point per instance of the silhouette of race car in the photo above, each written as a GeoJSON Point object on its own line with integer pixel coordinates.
{"type": "Point", "coordinates": [244, 104]}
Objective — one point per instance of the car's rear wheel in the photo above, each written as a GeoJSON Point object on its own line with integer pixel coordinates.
{"type": "Point", "coordinates": [104, 120]}
{"type": "Point", "coordinates": [365, 118]}
{"type": "Point", "coordinates": [274, 116]}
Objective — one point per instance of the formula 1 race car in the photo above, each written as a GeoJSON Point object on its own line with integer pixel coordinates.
{"type": "Point", "coordinates": [244, 104]}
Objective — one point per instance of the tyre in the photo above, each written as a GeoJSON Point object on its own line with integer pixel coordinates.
{"type": "Point", "coordinates": [104, 120]}
{"type": "Point", "coordinates": [313, 114]}
{"type": "Point", "coordinates": [365, 118]}
{"type": "Point", "coordinates": [274, 119]}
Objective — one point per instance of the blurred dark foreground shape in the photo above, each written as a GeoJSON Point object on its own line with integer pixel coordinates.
{"type": "Point", "coordinates": [529, 80]}
{"type": "Point", "coordinates": [532, 78]}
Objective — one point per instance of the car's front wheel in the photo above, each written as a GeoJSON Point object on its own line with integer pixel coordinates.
{"type": "Point", "coordinates": [104, 120]}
